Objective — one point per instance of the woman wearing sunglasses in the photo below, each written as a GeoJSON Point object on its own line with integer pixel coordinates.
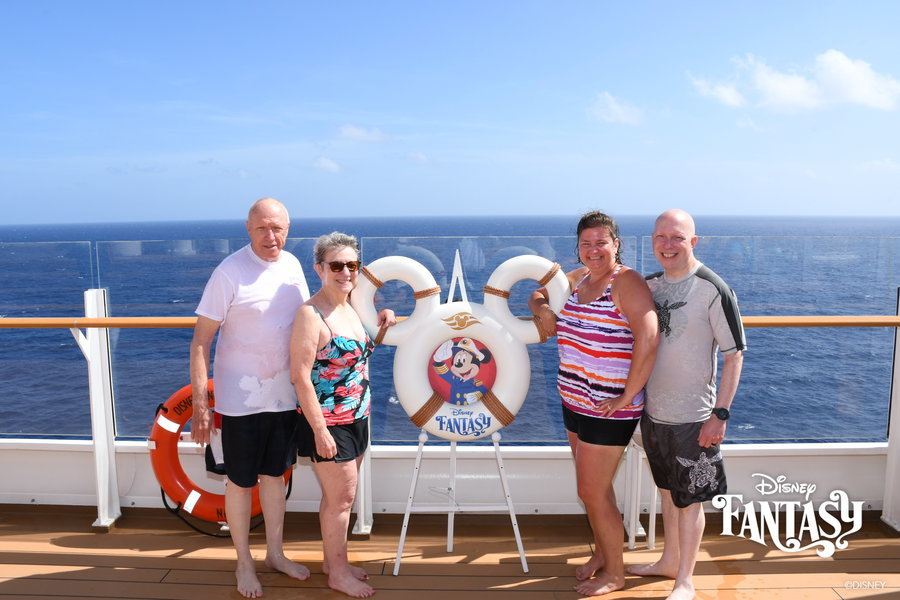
{"type": "Point", "coordinates": [329, 351]}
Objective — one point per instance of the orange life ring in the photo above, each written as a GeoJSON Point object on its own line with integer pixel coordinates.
{"type": "Point", "coordinates": [163, 443]}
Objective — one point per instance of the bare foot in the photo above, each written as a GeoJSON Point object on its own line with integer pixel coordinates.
{"type": "Point", "coordinates": [355, 571]}
{"type": "Point", "coordinates": [604, 583]}
{"type": "Point", "coordinates": [247, 583]}
{"type": "Point", "coordinates": [682, 591]}
{"type": "Point", "coordinates": [587, 570]}
{"type": "Point", "coordinates": [288, 567]}
{"type": "Point", "coordinates": [350, 585]}
{"type": "Point", "coordinates": [657, 569]}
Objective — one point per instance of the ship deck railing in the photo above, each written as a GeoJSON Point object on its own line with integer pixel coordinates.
{"type": "Point", "coordinates": [91, 333]}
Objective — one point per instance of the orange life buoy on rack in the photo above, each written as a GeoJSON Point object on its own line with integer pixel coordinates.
{"type": "Point", "coordinates": [163, 443]}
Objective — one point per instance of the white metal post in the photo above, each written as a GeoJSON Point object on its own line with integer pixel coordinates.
{"type": "Point", "coordinates": [451, 495]}
{"type": "Point", "coordinates": [891, 508]}
{"type": "Point", "coordinates": [364, 516]}
{"type": "Point", "coordinates": [94, 344]}
{"type": "Point", "coordinates": [632, 493]}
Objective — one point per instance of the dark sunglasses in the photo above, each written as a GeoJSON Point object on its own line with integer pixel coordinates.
{"type": "Point", "coordinates": [337, 266]}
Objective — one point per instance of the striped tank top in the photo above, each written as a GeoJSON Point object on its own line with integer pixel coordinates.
{"type": "Point", "coordinates": [595, 343]}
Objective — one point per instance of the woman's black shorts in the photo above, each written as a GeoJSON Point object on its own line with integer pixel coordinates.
{"type": "Point", "coordinates": [599, 431]}
{"type": "Point", "coordinates": [351, 440]}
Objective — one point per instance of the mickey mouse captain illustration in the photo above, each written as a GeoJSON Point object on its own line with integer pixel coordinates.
{"type": "Point", "coordinates": [465, 360]}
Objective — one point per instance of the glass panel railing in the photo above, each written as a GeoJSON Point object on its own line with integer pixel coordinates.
{"type": "Point", "coordinates": [798, 384]}
{"type": "Point", "coordinates": [156, 278]}
{"type": "Point", "coordinates": [43, 377]}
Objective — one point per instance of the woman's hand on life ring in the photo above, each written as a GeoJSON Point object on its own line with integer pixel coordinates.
{"type": "Point", "coordinates": [386, 318]}
{"type": "Point", "coordinates": [554, 289]}
{"type": "Point", "coordinates": [425, 291]}
{"type": "Point", "coordinates": [547, 320]}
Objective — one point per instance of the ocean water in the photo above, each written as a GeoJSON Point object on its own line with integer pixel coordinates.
{"type": "Point", "coordinates": [797, 384]}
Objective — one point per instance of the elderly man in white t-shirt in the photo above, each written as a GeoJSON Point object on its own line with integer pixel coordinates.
{"type": "Point", "coordinates": [250, 301]}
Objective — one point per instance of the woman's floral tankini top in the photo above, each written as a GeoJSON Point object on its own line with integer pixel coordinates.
{"type": "Point", "coordinates": [340, 376]}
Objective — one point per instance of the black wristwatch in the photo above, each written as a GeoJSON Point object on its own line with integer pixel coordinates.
{"type": "Point", "coordinates": [721, 413]}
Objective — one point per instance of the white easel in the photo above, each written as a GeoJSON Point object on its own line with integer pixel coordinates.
{"type": "Point", "coordinates": [453, 507]}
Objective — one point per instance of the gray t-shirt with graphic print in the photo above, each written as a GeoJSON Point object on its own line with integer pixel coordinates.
{"type": "Point", "coordinates": [698, 317]}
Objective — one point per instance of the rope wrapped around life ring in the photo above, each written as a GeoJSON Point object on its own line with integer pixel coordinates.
{"type": "Point", "coordinates": [496, 293]}
{"type": "Point", "coordinates": [163, 444]}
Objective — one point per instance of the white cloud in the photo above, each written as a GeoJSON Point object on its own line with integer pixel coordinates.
{"type": "Point", "coordinates": [327, 165]}
{"type": "Point", "coordinates": [727, 94]}
{"type": "Point", "coordinates": [782, 90]}
{"type": "Point", "coordinates": [834, 78]}
{"type": "Point", "coordinates": [352, 132]}
{"type": "Point", "coordinates": [854, 81]}
{"type": "Point", "coordinates": [613, 110]}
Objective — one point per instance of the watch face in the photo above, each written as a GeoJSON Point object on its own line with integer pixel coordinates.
{"type": "Point", "coordinates": [722, 413]}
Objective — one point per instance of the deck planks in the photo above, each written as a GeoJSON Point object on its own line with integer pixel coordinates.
{"type": "Point", "coordinates": [51, 552]}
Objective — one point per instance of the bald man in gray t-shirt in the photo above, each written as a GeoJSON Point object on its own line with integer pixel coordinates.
{"type": "Point", "coordinates": [686, 413]}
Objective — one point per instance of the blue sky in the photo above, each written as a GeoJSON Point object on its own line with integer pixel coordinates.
{"type": "Point", "coordinates": [135, 111]}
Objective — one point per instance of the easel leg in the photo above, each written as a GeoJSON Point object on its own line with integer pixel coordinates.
{"type": "Point", "coordinates": [512, 513]}
{"type": "Point", "coordinates": [364, 517]}
{"type": "Point", "coordinates": [423, 437]}
{"type": "Point", "coordinates": [451, 492]}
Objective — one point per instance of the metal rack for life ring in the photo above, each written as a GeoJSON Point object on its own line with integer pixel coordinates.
{"type": "Point", "coordinates": [491, 324]}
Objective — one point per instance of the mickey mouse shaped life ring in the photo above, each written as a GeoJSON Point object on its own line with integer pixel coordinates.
{"type": "Point", "coordinates": [461, 369]}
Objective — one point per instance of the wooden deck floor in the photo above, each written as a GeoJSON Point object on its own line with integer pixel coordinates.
{"type": "Point", "coordinates": [52, 553]}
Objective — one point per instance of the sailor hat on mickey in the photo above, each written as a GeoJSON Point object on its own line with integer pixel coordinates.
{"type": "Point", "coordinates": [468, 345]}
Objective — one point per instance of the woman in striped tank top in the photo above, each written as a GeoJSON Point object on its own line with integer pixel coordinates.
{"type": "Point", "coordinates": [607, 337]}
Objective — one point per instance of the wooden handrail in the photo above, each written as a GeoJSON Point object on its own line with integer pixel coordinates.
{"type": "Point", "coordinates": [79, 322]}
{"type": "Point", "coordinates": [824, 321]}
{"type": "Point", "coordinates": [163, 322]}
